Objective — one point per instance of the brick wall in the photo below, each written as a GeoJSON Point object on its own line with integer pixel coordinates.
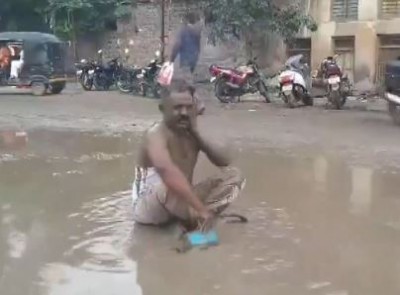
{"type": "Point", "coordinates": [142, 36]}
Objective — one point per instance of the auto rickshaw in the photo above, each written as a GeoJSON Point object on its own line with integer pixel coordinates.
{"type": "Point", "coordinates": [32, 60]}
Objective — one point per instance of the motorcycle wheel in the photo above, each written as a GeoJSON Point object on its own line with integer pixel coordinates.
{"type": "Point", "coordinates": [290, 100]}
{"type": "Point", "coordinates": [221, 90]}
{"type": "Point", "coordinates": [263, 91]}
{"type": "Point", "coordinates": [308, 100]}
{"type": "Point", "coordinates": [99, 83]}
{"type": "Point", "coordinates": [86, 82]}
{"type": "Point", "coordinates": [124, 84]}
{"type": "Point", "coordinates": [143, 89]}
{"type": "Point", "coordinates": [157, 90]}
{"type": "Point", "coordinates": [394, 111]}
{"type": "Point", "coordinates": [337, 99]}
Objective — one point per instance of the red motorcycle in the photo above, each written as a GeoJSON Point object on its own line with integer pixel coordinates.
{"type": "Point", "coordinates": [337, 84]}
{"type": "Point", "coordinates": [233, 83]}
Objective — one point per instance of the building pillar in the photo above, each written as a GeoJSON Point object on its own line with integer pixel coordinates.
{"type": "Point", "coordinates": [321, 40]}
{"type": "Point", "coordinates": [366, 47]}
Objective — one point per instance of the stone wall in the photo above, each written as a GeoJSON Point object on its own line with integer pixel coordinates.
{"type": "Point", "coordinates": [142, 36]}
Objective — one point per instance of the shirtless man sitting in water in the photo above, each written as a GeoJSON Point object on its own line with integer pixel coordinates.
{"type": "Point", "coordinates": [163, 190]}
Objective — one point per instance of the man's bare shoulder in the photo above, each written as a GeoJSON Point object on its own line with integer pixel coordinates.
{"type": "Point", "coordinates": [156, 134]}
{"type": "Point", "coordinates": [152, 142]}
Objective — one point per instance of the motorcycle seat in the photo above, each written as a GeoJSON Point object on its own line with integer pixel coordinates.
{"type": "Point", "coordinates": [234, 71]}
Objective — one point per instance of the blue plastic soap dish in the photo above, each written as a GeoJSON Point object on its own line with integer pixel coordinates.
{"type": "Point", "coordinates": [199, 239]}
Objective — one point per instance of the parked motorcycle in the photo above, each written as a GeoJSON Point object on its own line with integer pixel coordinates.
{"type": "Point", "coordinates": [392, 87]}
{"type": "Point", "coordinates": [106, 75]}
{"type": "Point", "coordinates": [295, 82]}
{"type": "Point", "coordinates": [233, 83]}
{"type": "Point", "coordinates": [149, 76]}
{"type": "Point", "coordinates": [336, 83]}
{"type": "Point", "coordinates": [128, 79]}
{"type": "Point", "coordinates": [84, 73]}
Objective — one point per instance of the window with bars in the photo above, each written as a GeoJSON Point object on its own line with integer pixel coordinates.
{"type": "Point", "coordinates": [390, 8]}
{"type": "Point", "coordinates": [344, 10]}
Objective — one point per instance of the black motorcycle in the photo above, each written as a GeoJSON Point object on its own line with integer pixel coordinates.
{"type": "Point", "coordinates": [148, 79]}
{"type": "Point", "coordinates": [107, 75]}
{"type": "Point", "coordinates": [84, 73]}
{"type": "Point", "coordinates": [129, 79]}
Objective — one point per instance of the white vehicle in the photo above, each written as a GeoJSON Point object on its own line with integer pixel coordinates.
{"type": "Point", "coordinates": [295, 82]}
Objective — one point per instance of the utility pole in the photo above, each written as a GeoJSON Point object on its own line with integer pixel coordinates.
{"type": "Point", "coordinates": [162, 30]}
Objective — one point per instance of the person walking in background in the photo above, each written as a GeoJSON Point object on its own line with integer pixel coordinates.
{"type": "Point", "coordinates": [187, 45]}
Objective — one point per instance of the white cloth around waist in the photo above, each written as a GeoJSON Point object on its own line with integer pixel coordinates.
{"type": "Point", "coordinates": [149, 196]}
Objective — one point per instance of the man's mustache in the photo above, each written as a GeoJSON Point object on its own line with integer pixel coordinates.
{"type": "Point", "coordinates": [183, 118]}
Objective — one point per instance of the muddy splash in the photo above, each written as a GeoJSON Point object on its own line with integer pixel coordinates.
{"type": "Point", "coordinates": [318, 225]}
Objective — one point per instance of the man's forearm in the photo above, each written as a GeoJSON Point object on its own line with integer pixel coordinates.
{"type": "Point", "coordinates": [218, 155]}
{"type": "Point", "coordinates": [175, 181]}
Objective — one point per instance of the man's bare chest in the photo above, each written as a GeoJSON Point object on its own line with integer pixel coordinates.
{"type": "Point", "coordinates": [183, 151]}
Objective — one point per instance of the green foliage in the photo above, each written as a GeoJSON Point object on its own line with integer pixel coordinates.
{"type": "Point", "coordinates": [65, 17]}
{"type": "Point", "coordinates": [82, 16]}
{"type": "Point", "coordinates": [122, 11]}
{"type": "Point", "coordinates": [22, 15]}
{"type": "Point", "coordinates": [235, 18]}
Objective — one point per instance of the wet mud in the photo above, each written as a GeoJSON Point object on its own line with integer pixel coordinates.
{"type": "Point", "coordinates": [318, 224]}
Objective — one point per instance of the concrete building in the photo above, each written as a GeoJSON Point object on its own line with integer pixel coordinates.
{"type": "Point", "coordinates": [365, 32]}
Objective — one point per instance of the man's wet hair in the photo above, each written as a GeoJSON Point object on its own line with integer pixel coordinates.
{"type": "Point", "coordinates": [177, 86]}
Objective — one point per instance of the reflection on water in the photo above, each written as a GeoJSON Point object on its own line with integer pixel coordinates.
{"type": "Point", "coordinates": [12, 139]}
{"type": "Point", "coordinates": [317, 226]}
{"type": "Point", "coordinates": [320, 173]}
{"type": "Point", "coordinates": [361, 195]}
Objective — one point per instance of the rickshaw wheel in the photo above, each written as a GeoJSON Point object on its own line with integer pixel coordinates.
{"type": "Point", "coordinates": [56, 88]}
{"type": "Point", "coordinates": [39, 88]}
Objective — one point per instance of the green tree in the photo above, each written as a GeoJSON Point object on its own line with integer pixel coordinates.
{"type": "Point", "coordinates": [236, 18]}
{"type": "Point", "coordinates": [22, 15]}
{"type": "Point", "coordinates": [64, 17]}
{"type": "Point", "coordinates": [71, 18]}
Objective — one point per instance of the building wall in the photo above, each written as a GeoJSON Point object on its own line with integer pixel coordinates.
{"type": "Point", "coordinates": [365, 30]}
{"type": "Point", "coordinates": [142, 36]}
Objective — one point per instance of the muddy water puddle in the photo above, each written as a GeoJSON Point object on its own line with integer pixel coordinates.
{"type": "Point", "coordinates": [317, 225]}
